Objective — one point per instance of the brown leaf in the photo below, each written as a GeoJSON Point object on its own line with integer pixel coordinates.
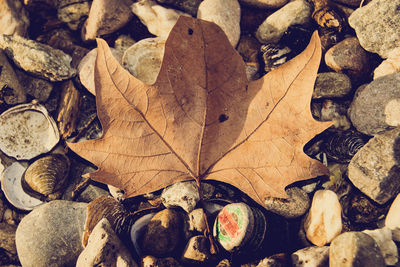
{"type": "Point", "coordinates": [202, 119]}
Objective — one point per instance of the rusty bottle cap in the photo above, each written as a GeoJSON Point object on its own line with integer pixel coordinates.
{"type": "Point", "coordinates": [239, 227]}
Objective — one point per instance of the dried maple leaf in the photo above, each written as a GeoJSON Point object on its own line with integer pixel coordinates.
{"type": "Point", "coordinates": [202, 119]}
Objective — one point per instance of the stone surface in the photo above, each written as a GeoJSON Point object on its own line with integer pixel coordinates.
{"type": "Point", "coordinates": [362, 210]}
{"type": "Point", "coordinates": [353, 249]}
{"type": "Point", "coordinates": [392, 220]}
{"type": "Point", "coordinates": [348, 57]}
{"type": "Point", "coordinates": [196, 220]}
{"type": "Point", "coordinates": [74, 13]}
{"type": "Point", "coordinates": [383, 238]}
{"type": "Point", "coordinates": [335, 112]}
{"type": "Point", "coordinates": [311, 257]}
{"type": "Point", "coordinates": [390, 65]}
{"type": "Point", "coordinates": [181, 194]}
{"type": "Point", "coordinates": [123, 42]}
{"type": "Point", "coordinates": [196, 250]}
{"type": "Point", "coordinates": [158, 19]}
{"type": "Point", "coordinates": [105, 249]}
{"type": "Point", "coordinates": [248, 47]}
{"type": "Point", "coordinates": [38, 59]}
{"type": "Point", "coordinates": [272, 29]}
{"type": "Point", "coordinates": [379, 100]}
{"type": "Point", "coordinates": [323, 222]}
{"type": "Point", "coordinates": [86, 68]}
{"type": "Point", "coordinates": [224, 13]}
{"type": "Point", "coordinates": [37, 88]}
{"type": "Point", "coordinates": [7, 237]}
{"type": "Point", "coordinates": [377, 26]}
{"type": "Point", "coordinates": [150, 261]}
{"type": "Point", "coordinates": [354, 3]}
{"type": "Point", "coordinates": [13, 18]}
{"type": "Point", "coordinates": [105, 17]}
{"type": "Point", "coordinates": [296, 205]}
{"type": "Point", "coordinates": [374, 169]}
{"type": "Point", "coordinates": [331, 85]}
{"type": "Point", "coordinates": [187, 6]}
{"type": "Point", "coordinates": [267, 4]}
{"type": "Point", "coordinates": [143, 59]}
{"type": "Point", "coordinates": [51, 234]}
{"type": "Point", "coordinates": [163, 233]}
{"type": "Point", "coordinates": [10, 87]}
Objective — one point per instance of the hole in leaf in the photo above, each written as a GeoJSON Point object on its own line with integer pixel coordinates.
{"type": "Point", "coordinates": [190, 31]}
{"type": "Point", "coordinates": [223, 118]}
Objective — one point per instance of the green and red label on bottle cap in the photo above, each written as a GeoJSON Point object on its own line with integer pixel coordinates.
{"type": "Point", "coordinates": [230, 224]}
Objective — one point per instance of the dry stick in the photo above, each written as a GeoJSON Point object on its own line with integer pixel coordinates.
{"type": "Point", "coordinates": [80, 187]}
{"type": "Point", "coordinates": [207, 232]}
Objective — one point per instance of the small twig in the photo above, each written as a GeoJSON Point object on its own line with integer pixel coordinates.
{"type": "Point", "coordinates": [207, 232]}
{"type": "Point", "coordinates": [80, 187]}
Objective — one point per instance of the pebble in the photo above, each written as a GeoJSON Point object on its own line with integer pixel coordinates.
{"type": "Point", "coordinates": [248, 47]}
{"type": "Point", "coordinates": [374, 168]}
{"type": "Point", "coordinates": [392, 220]}
{"type": "Point", "coordinates": [187, 6]}
{"type": "Point", "coordinates": [331, 85]}
{"type": "Point", "coordinates": [265, 4]}
{"type": "Point", "coordinates": [181, 194]}
{"type": "Point", "coordinates": [377, 26]}
{"type": "Point", "coordinates": [86, 68]}
{"type": "Point", "coordinates": [354, 3]}
{"type": "Point", "coordinates": [355, 249]}
{"type": "Point", "coordinates": [224, 263]}
{"type": "Point", "coordinates": [196, 220]}
{"type": "Point", "coordinates": [105, 249]}
{"type": "Point", "coordinates": [295, 206]}
{"type": "Point", "coordinates": [163, 233]}
{"type": "Point", "coordinates": [335, 112]}
{"type": "Point", "coordinates": [74, 13]}
{"type": "Point", "coordinates": [51, 234]}
{"type": "Point", "coordinates": [143, 59]}
{"type": "Point", "coordinates": [37, 88]}
{"type": "Point", "coordinates": [361, 210]}
{"type": "Point", "coordinates": [196, 250]}
{"type": "Point", "coordinates": [105, 17]}
{"type": "Point", "coordinates": [159, 20]}
{"type": "Point", "coordinates": [348, 57]}
{"type": "Point", "coordinates": [123, 42]}
{"type": "Point", "coordinates": [390, 65]}
{"type": "Point", "coordinates": [10, 87]}
{"type": "Point", "coordinates": [380, 100]}
{"type": "Point", "coordinates": [383, 238]}
{"type": "Point", "coordinates": [224, 13]}
{"type": "Point", "coordinates": [272, 29]}
{"type": "Point", "coordinates": [7, 238]}
{"type": "Point", "coordinates": [36, 58]}
{"type": "Point", "coordinates": [150, 261]}
{"type": "Point", "coordinates": [13, 18]}
{"type": "Point", "coordinates": [311, 257]}
{"type": "Point", "coordinates": [323, 222]}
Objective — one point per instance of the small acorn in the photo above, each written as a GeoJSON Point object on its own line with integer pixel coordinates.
{"type": "Point", "coordinates": [45, 178]}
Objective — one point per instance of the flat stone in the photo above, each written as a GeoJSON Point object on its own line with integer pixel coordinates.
{"type": "Point", "coordinates": [272, 29]}
{"type": "Point", "coordinates": [348, 57]}
{"type": "Point", "coordinates": [105, 249]}
{"type": "Point", "coordinates": [11, 89]}
{"type": "Point", "coordinates": [295, 206]}
{"type": "Point", "coordinates": [74, 13]}
{"type": "Point", "coordinates": [383, 238]}
{"type": "Point", "coordinates": [311, 257]}
{"type": "Point", "coordinates": [331, 85]}
{"type": "Point", "coordinates": [159, 20]}
{"type": "Point", "coordinates": [377, 26]}
{"type": "Point", "coordinates": [224, 13]}
{"type": "Point", "coordinates": [123, 42]}
{"type": "Point", "coordinates": [324, 220]}
{"type": "Point", "coordinates": [390, 65]}
{"type": "Point", "coordinates": [13, 18]}
{"type": "Point", "coordinates": [196, 250]}
{"type": "Point", "coordinates": [143, 59]}
{"type": "Point", "coordinates": [51, 234]}
{"type": "Point", "coordinates": [36, 58]}
{"type": "Point", "coordinates": [105, 17]}
{"type": "Point", "coordinates": [196, 220]}
{"type": "Point", "coordinates": [374, 169]}
{"type": "Point", "coordinates": [264, 4]}
{"type": "Point", "coordinates": [187, 6]}
{"type": "Point", "coordinates": [379, 99]}
{"type": "Point", "coordinates": [355, 249]}
{"type": "Point", "coordinates": [181, 194]}
{"type": "Point", "coordinates": [163, 233]}
{"type": "Point", "coordinates": [38, 88]}
{"type": "Point", "coordinates": [392, 220]}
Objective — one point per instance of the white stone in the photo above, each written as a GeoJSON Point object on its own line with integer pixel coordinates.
{"type": "Point", "coordinates": [311, 257]}
{"type": "Point", "coordinates": [272, 29]}
{"type": "Point", "coordinates": [383, 238]}
{"type": "Point", "coordinates": [196, 220]}
{"type": "Point", "coordinates": [224, 13]}
{"type": "Point", "coordinates": [104, 249]}
{"type": "Point", "coordinates": [181, 194]}
{"type": "Point", "coordinates": [392, 220]}
{"type": "Point", "coordinates": [158, 19]}
{"type": "Point", "coordinates": [86, 68]}
{"type": "Point", "coordinates": [390, 65]}
{"type": "Point", "coordinates": [324, 221]}
{"type": "Point", "coordinates": [143, 59]}
{"type": "Point", "coordinates": [13, 18]}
